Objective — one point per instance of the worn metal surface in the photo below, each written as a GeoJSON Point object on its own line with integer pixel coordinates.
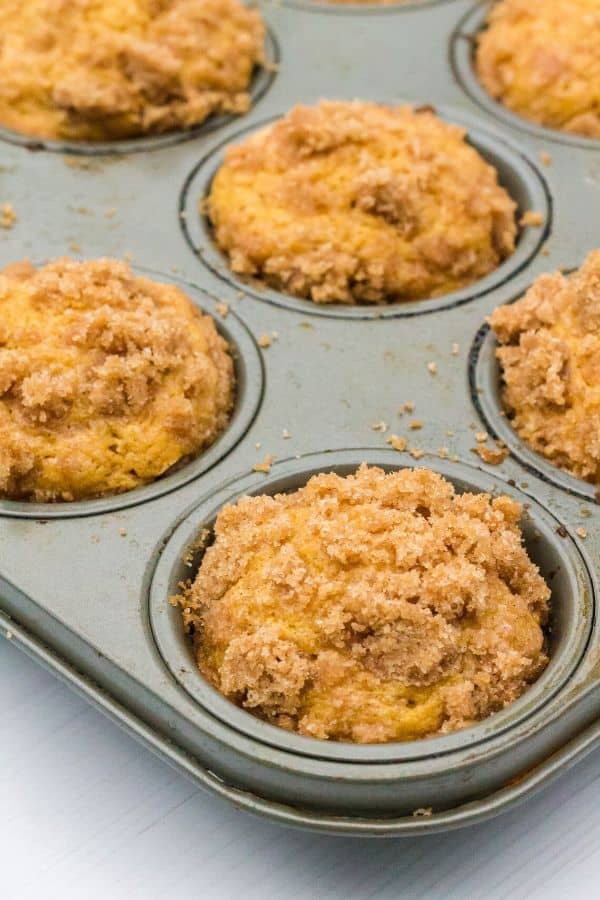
{"type": "Point", "coordinates": [79, 583]}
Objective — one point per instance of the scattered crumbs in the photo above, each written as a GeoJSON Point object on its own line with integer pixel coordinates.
{"type": "Point", "coordinates": [423, 812]}
{"type": "Point", "coordinates": [379, 426]}
{"type": "Point", "coordinates": [397, 442]}
{"type": "Point", "coordinates": [586, 513]}
{"type": "Point", "coordinates": [481, 437]}
{"type": "Point", "coordinates": [545, 251]}
{"type": "Point", "coordinates": [240, 295]}
{"type": "Point", "coordinates": [8, 635]}
{"type": "Point", "coordinates": [110, 212]}
{"type": "Point", "coordinates": [204, 206]}
{"type": "Point", "coordinates": [408, 407]}
{"type": "Point", "coordinates": [455, 349]}
{"type": "Point", "coordinates": [490, 455]}
{"type": "Point", "coordinates": [472, 426]}
{"type": "Point", "coordinates": [454, 458]}
{"type": "Point", "coordinates": [415, 424]}
{"type": "Point", "coordinates": [74, 247]}
{"type": "Point", "coordinates": [449, 433]}
{"type": "Point", "coordinates": [432, 368]}
{"type": "Point", "coordinates": [222, 309]}
{"type": "Point", "coordinates": [258, 445]}
{"type": "Point", "coordinates": [175, 269]}
{"type": "Point", "coordinates": [581, 532]}
{"type": "Point", "coordinates": [123, 532]}
{"type": "Point", "coordinates": [8, 216]}
{"type": "Point", "coordinates": [545, 158]}
{"type": "Point", "coordinates": [416, 453]}
{"type": "Point", "coordinates": [443, 453]}
{"type": "Point", "coordinates": [265, 465]}
{"type": "Point", "coordinates": [274, 335]}
{"type": "Point", "coordinates": [305, 325]}
{"type": "Point", "coordinates": [532, 218]}
{"type": "Point", "coordinates": [264, 341]}
{"type": "Point", "coordinates": [561, 531]}
{"type": "Point", "coordinates": [95, 539]}
{"type": "Point", "coordinates": [78, 162]}
{"type": "Point", "coordinates": [128, 256]}
{"type": "Point", "coordinates": [285, 434]}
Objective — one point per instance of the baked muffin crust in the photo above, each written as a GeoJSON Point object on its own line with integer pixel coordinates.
{"type": "Point", "coordinates": [107, 69]}
{"type": "Point", "coordinates": [550, 357]}
{"type": "Point", "coordinates": [107, 380]}
{"type": "Point", "coordinates": [542, 60]}
{"type": "Point", "coordinates": [369, 608]}
{"type": "Point", "coordinates": [355, 202]}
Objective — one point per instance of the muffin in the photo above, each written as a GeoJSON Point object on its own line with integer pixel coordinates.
{"type": "Point", "coordinates": [369, 608]}
{"type": "Point", "coordinates": [542, 60]}
{"type": "Point", "coordinates": [354, 202]}
{"type": "Point", "coordinates": [99, 70]}
{"type": "Point", "coordinates": [107, 380]}
{"type": "Point", "coordinates": [549, 354]}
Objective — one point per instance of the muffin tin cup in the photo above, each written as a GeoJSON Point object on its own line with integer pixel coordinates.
{"type": "Point", "coordinates": [463, 62]}
{"type": "Point", "coordinates": [262, 79]}
{"type": "Point", "coordinates": [517, 174]}
{"type": "Point", "coordinates": [557, 558]}
{"type": "Point", "coordinates": [83, 586]}
{"type": "Point", "coordinates": [249, 376]}
{"type": "Point", "coordinates": [485, 379]}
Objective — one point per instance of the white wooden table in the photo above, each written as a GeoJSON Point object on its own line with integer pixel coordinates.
{"type": "Point", "coordinates": [87, 813]}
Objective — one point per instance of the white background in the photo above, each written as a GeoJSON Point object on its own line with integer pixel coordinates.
{"type": "Point", "coordinates": [87, 813]}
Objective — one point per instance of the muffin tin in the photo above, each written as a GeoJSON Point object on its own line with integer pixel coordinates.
{"type": "Point", "coordinates": [84, 587]}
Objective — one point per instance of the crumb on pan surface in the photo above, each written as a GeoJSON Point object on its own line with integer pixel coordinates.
{"type": "Point", "coordinates": [542, 60]}
{"type": "Point", "coordinates": [355, 202]}
{"type": "Point", "coordinates": [550, 358]}
{"type": "Point", "coordinates": [107, 380]}
{"type": "Point", "coordinates": [109, 69]}
{"type": "Point", "coordinates": [369, 608]}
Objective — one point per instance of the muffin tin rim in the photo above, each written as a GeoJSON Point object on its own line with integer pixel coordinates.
{"type": "Point", "coordinates": [197, 231]}
{"type": "Point", "coordinates": [462, 42]}
{"type": "Point", "coordinates": [261, 82]}
{"type": "Point", "coordinates": [369, 8]}
{"type": "Point", "coordinates": [250, 386]}
{"type": "Point", "coordinates": [166, 628]}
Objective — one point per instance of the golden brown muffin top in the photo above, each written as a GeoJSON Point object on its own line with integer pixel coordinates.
{"type": "Point", "coordinates": [106, 380]}
{"type": "Point", "coordinates": [550, 358]}
{"type": "Point", "coordinates": [360, 202]}
{"type": "Point", "coordinates": [542, 60]}
{"type": "Point", "coordinates": [107, 69]}
{"type": "Point", "coordinates": [369, 608]}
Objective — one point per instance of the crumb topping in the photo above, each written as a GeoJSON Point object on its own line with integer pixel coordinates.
{"type": "Point", "coordinates": [356, 202]}
{"type": "Point", "coordinates": [542, 60]}
{"type": "Point", "coordinates": [107, 380]}
{"type": "Point", "coordinates": [369, 608]}
{"type": "Point", "coordinates": [550, 357]}
{"type": "Point", "coordinates": [108, 69]}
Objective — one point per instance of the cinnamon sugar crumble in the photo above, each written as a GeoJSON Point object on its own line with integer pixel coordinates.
{"type": "Point", "coordinates": [398, 443]}
{"type": "Point", "coordinates": [371, 608]}
{"type": "Point", "coordinates": [265, 465]}
{"type": "Point", "coordinates": [531, 218]}
{"type": "Point", "coordinates": [355, 202]}
{"type": "Point", "coordinates": [549, 354]}
{"type": "Point", "coordinates": [107, 380]}
{"type": "Point", "coordinates": [8, 216]}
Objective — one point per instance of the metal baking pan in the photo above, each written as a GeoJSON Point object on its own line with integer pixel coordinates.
{"type": "Point", "coordinates": [84, 586]}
